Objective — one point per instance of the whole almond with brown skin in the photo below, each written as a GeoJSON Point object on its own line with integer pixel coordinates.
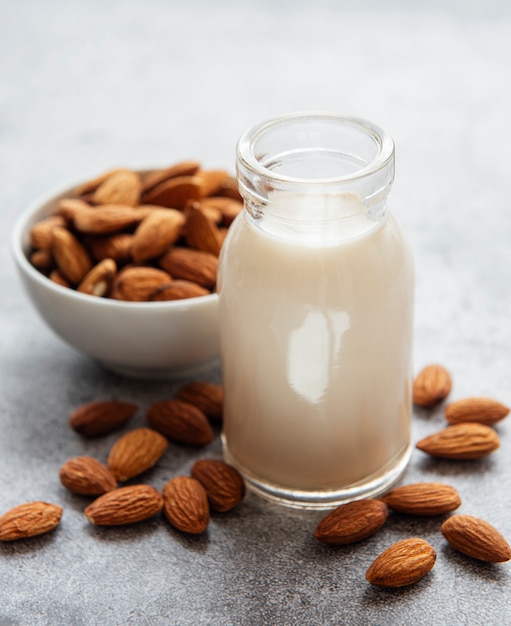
{"type": "Point", "coordinates": [42, 260]}
{"type": "Point", "coordinates": [461, 441]}
{"type": "Point", "coordinates": [98, 281]}
{"type": "Point", "coordinates": [136, 452]}
{"type": "Point", "coordinates": [122, 187]}
{"type": "Point", "coordinates": [106, 219]}
{"type": "Point", "coordinates": [175, 192]}
{"type": "Point", "coordinates": [57, 278]}
{"type": "Point", "coordinates": [178, 290]}
{"type": "Point", "coordinates": [223, 483]}
{"type": "Point", "coordinates": [208, 397]}
{"type": "Point", "coordinates": [185, 504]}
{"type": "Point", "coordinates": [139, 284]}
{"type": "Point", "coordinates": [432, 385]}
{"type": "Point", "coordinates": [86, 476]}
{"type": "Point", "coordinates": [196, 266]}
{"type": "Point", "coordinates": [211, 181]}
{"type": "Point", "coordinates": [29, 520]}
{"type": "Point", "coordinates": [183, 168]}
{"type": "Point", "coordinates": [71, 258]}
{"type": "Point", "coordinates": [40, 236]}
{"type": "Point", "coordinates": [157, 232]}
{"type": "Point", "coordinates": [476, 538]}
{"type": "Point", "coordinates": [68, 208]}
{"type": "Point", "coordinates": [200, 232]}
{"type": "Point", "coordinates": [352, 522]}
{"type": "Point", "coordinates": [423, 499]}
{"type": "Point", "coordinates": [181, 422]}
{"type": "Point", "coordinates": [404, 563]}
{"type": "Point", "coordinates": [125, 505]}
{"type": "Point", "coordinates": [115, 247]}
{"type": "Point", "coordinates": [481, 410]}
{"type": "Point", "coordinates": [228, 207]}
{"type": "Point", "coordinates": [91, 185]}
{"type": "Point", "coordinates": [99, 418]}
{"type": "Point", "coordinates": [229, 189]}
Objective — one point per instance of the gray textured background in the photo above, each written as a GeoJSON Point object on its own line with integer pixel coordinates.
{"type": "Point", "coordinates": [87, 85]}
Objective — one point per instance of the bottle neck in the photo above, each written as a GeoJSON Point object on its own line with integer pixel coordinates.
{"type": "Point", "coordinates": [315, 176]}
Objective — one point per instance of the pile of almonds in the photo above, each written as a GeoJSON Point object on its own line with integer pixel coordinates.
{"type": "Point", "coordinates": [140, 237]}
{"type": "Point", "coordinates": [469, 436]}
{"type": "Point", "coordinates": [186, 501]}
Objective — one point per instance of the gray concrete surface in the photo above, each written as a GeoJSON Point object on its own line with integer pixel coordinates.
{"type": "Point", "coordinates": [85, 86]}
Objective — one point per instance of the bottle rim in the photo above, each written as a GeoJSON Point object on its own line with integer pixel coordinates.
{"type": "Point", "coordinates": [250, 161]}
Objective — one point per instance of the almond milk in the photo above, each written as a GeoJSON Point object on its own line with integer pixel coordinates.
{"type": "Point", "coordinates": [316, 308]}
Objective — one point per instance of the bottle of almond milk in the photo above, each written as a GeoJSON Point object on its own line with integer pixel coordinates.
{"type": "Point", "coordinates": [316, 288]}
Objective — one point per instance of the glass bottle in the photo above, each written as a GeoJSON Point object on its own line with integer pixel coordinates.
{"type": "Point", "coordinates": [316, 290]}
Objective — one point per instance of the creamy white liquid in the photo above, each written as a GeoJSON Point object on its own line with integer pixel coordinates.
{"type": "Point", "coordinates": [316, 329]}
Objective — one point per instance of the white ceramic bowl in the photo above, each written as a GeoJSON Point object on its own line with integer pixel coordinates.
{"type": "Point", "coordinates": [140, 339]}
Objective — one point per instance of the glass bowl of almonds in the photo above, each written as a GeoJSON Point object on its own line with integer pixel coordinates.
{"type": "Point", "coordinates": [123, 266]}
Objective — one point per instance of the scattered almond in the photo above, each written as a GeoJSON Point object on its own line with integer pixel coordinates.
{"type": "Point", "coordinates": [476, 538]}
{"type": "Point", "coordinates": [181, 422]}
{"type": "Point", "coordinates": [125, 505]}
{"type": "Point", "coordinates": [106, 219]}
{"type": "Point", "coordinates": [431, 386]}
{"type": "Point", "coordinates": [461, 441]}
{"type": "Point", "coordinates": [200, 232]}
{"type": "Point", "coordinates": [223, 483]}
{"type": "Point", "coordinates": [29, 520]}
{"type": "Point", "coordinates": [86, 476]}
{"type": "Point", "coordinates": [423, 499]}
{"type": "Point", "coordinates": [116, 247]}
{"type": "Point", "coordinates": [175, 192]}
{"type": "Point", "coordinates": [404, 563]}
{"type": "Point", "coordinates": [184, 168]}
{"type": "Point", "coordinates": [206, 396]}
{"type": "Point", "coordinates": [99, 418]}
{"type": "Point", "coordinates": [185, 504]}
{"type": "Point", "coordinates": [40, 236]}
{"type": "Point", "coordinates": [352, 522]}
{"type": "Point", "coordinates": [135, 453]}
{"type": "Point", "coordinates": [481, 410]}
{"type": "Point", "coordinates": [156, 233]}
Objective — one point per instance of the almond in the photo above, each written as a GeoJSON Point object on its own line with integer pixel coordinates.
{"type": "Point", "coordinates": [200, 232]}
{"type": "Point", "coordinates": [68, 208]}
{"type": "Point", "coordinates": [86, 476]}
{"type": "Point", "coordinates": [178, 290]}
{"type": "Point", "coordinates": [175, 192]}
{"type": "Point", "coordinates": [139, 284]}
{"type": "Point", "coordinates": [136, 452]}
{"type": "Point", "coordinates": [40, 236]}
{"type": "Point", "coordinates": [228, 207]}
{"type": "Point", "coordinates": [106, 219]}
{"type": "Point", "coordinates": [57, 278]}
{"type": "Point", "coordinates": [156, 233]}
{"type": "Point", "coordinates": [476, 538]}
{"type": "Point", "coordinates": [206, 396]}
{"type": "Point", "coordinates": [29, 520]}
{"type": "Point", "coordinates": [229, 189]}
{"type": "Point", "coordinates": [71, 258]}
{"type": "Point", "coordinates": [184, 168]}
{"type": "Point", "coordinates": [223, 483]}
{"type": "Point", "coordinates": [352, 522]}
{"type": "Point", "coordinates": [122, 187]}
{"type": "Point", "coordinates": [42, 260]}
{"type": "Point", "coordinates": [185, 505]}
{"type": "Point", "coordinates": [181, 422]}
{"type": "Point", "coordinates": [211, 181]}
{"type": "Point", "coordinates": [125, 505]}
{"type": "Point", "coordinates": [193, 265]}
{"type": "Point", "coordinates": [481, 410]}
{"type": "Point", "coordinates": [404, 563]}
{"type": "Point", "coordinates": [461, 441]}
{"type": "Point", "coordinates": [432, 385]}
{"type": "Point", "coordinates": [92, 184]}
{"type": "Point", "coordinates": [115, 247]}
{"type": "Point", "coordinates": [99, 418]}
{"type": "Point", "coordinates": [98, 281]}
{"type": "Point", "coordinates": [423, 499]}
